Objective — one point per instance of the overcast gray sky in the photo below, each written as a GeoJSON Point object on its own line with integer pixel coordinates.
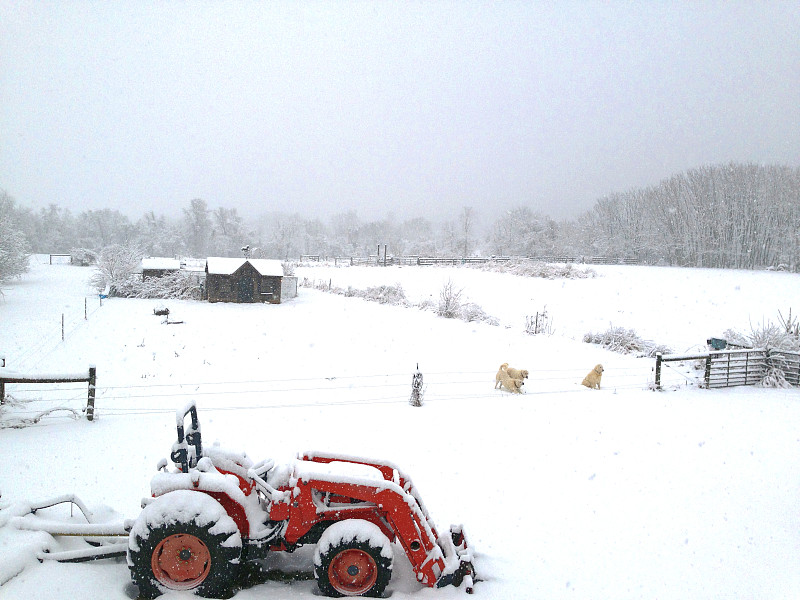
{"type": "Point", "coordinates": [410, 108]}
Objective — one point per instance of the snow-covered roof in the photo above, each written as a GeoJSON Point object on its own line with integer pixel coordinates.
{"type": "Point", "coordinates": [228, 266]}
{"type": "Point", "coordinates": [161, 263]}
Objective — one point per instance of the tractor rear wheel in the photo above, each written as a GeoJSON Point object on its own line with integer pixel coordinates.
{"type": "Point", "coordinates": [184, 540]}
{"type": "Point", "coordinates": [353, 558]}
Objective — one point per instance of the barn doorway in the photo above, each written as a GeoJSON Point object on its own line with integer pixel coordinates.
{"type": "Point", "coordinates": [246, 288]}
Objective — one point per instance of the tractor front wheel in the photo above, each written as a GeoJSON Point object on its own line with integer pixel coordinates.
{"type": "Point", "coordinates": [353, 558]}
{"type": "Point", "coordinates": [184, 541]}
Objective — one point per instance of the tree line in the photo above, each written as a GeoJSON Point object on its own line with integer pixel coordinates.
{"type": "Point", "coordinates": [727, 216]}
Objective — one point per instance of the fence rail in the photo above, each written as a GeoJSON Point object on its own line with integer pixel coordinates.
{"type": "Point", "coordinates": [412, 260]}
{"type": "Point", "coordinates": [747, 366]}
{"type": "Point", "coordinates": [789, 363]}
{"type": "Point", "coordinates": [90, 378]}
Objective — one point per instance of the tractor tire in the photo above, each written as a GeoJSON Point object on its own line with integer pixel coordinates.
{"type": "Point", "coordinates": [353, 558]}
{"type": "Point", "coordinates": [184, 540]}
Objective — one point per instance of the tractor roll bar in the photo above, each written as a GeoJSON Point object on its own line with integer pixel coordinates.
{"type": "Point", "coordinates": [180, 451]}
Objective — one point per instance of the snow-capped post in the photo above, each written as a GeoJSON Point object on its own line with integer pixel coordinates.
{"type": "Point", "coordinates": [658, 370]}
{"type": "Point", "coordinates": [416, 389]}
{"type": "Point", "coordinates": [92, 385]}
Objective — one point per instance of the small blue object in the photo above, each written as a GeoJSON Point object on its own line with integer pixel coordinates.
{"type": "Point", "coordinates": [717, 343]}
{"type": "Point", "coordinates": [103, 296]}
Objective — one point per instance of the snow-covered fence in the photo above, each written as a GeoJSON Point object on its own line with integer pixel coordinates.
{"type": "Point", "coordinates": [729, 368]}
{"type": "Point", "coordinates": [788, 363]}
{"type": "Point", "coordinates": [415, 260]}
{"type": "Point", "coordinates": [60, 259]}
{"type": "Point", "coordinates": [90, 378]}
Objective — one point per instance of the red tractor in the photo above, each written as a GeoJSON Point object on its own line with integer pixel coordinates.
{"type": "Point", "coordinates": [217, 510]}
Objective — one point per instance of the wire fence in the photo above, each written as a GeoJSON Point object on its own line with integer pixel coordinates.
{"type": "Point", "coordinates": [39, 403]}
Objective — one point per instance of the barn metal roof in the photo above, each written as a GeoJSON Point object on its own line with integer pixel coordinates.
{"type": "Point", "coordinates": [160, 263]}
{"type": "Point", "coordinates": [228, 266]}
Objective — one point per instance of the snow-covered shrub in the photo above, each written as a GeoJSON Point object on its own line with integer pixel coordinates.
{"type": "Point", "coordinates": [115, 266]}
{"type": "Point", "coordinates": [790, 324]}
{"type": "Point", "coordinates": [769, 335]}
{"type": "Point", "coordinates": [386, 294]}
{"type": "Point", "coordinates": [625, 341]}
{"type": "Point", "coordinates": [472, 312]}
{"type": "Point", "coordinates": [532, 268]}
{"type": "Point", "coordinates": [449, 301]}
{"type": "Point", "coordinates": [288, 268]}
{"type": "Point", "coordinates": [541, 322]}
{"type": "Point", "coordinates": [14, 250]}
{"type": "Point", "coordinates": [179, 284]}
{"type": "Point", "coordinates": [775, 378]}
{"type": "Point", "coordinates": [83, 257]}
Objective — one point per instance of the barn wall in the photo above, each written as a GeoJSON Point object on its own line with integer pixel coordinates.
{"type": "Point", "coordinates": [232, 288]}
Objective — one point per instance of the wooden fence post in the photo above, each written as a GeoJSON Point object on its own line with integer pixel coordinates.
{"type": "Point", "coordinates": [658, 370]}
{"type": "Point", "coordinates": [92, 386]}
{"type": "Point", "coordinates": [707, 374]}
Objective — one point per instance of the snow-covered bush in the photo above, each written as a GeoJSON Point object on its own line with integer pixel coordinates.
{"type": "Point", "coordinates": [386, 294]}
{"type": "Point", "coordinates": [14, 250]}
{"type": "Point", "coordinates": [769, 335]}
{"type": "Point", "coordinates": [449, 301]}
{"type": "Point", "coordinates": [539, 323]}
{"type": "Point", "coordinates": [288, 268]}
{"type": "Point", "coordinates": [775, 378]}
{"type": "Point", "coordinates": [472, 312]}
{"type": "Point", "coordinates": [176, 285]}
{"type": "Point", "coordinates": [625, 341]}
{"type": "Point", "coordinates": [532, 268]}
{"type": "Point", "coordinates": [83, 257]}
{"type": "Point", "coordinates": [449, 305]}
{"type": "Point", "coordinates": [115, 267]}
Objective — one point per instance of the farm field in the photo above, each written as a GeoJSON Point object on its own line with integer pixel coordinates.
{"type": "Point", "coordinates": [564, 492]}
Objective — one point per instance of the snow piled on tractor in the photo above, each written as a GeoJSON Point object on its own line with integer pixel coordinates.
{"type": "Point", "coordinates": [184, 506]}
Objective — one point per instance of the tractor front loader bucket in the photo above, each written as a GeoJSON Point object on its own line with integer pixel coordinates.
{"type": "Point", "coordinates": [103, 540]}
{"type": "Point", "coordinates": [457, 551]}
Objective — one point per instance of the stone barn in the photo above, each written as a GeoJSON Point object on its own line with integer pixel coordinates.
{"type": "Point", "coordinates": [248, 280]}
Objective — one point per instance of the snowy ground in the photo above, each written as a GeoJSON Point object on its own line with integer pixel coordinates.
{"type": "Point", "coordinates": [565, 492]}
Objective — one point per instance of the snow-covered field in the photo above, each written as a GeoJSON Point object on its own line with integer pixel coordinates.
{"type": "Point", "coordinates": [565, 492]}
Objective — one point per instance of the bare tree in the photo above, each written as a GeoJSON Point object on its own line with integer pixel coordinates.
{"type": "Point", "coordinates": [466, 222]}
{"type": "Point", "coordinates": [197, 228]}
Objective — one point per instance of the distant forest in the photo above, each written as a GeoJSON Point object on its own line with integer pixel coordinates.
{"type": "Point", "coordinates": [727, 216]}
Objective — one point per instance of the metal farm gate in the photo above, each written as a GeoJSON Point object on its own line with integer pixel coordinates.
{"type": "Point", "coordinates": [728, 368]}
{"type": "Point", "coordinates": [788, 362]}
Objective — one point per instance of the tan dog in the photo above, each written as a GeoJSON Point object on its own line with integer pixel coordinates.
{"type": "Point", "coordinates": [501, 372]}
{"type": "Point", "coordinates": [504, 380]}
{"type": "Point", "coordinates": [517, 373]}
{"type": "Point", "coordinates": [592, 380]}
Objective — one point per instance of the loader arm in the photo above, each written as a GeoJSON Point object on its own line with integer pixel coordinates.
{"type": "Point", "coordinates": [437, 560]}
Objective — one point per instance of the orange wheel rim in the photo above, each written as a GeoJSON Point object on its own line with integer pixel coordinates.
{"type": "Point", "coordinates": [353, 572]}
{"type": "Point", "coordinates": [181, 561]}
